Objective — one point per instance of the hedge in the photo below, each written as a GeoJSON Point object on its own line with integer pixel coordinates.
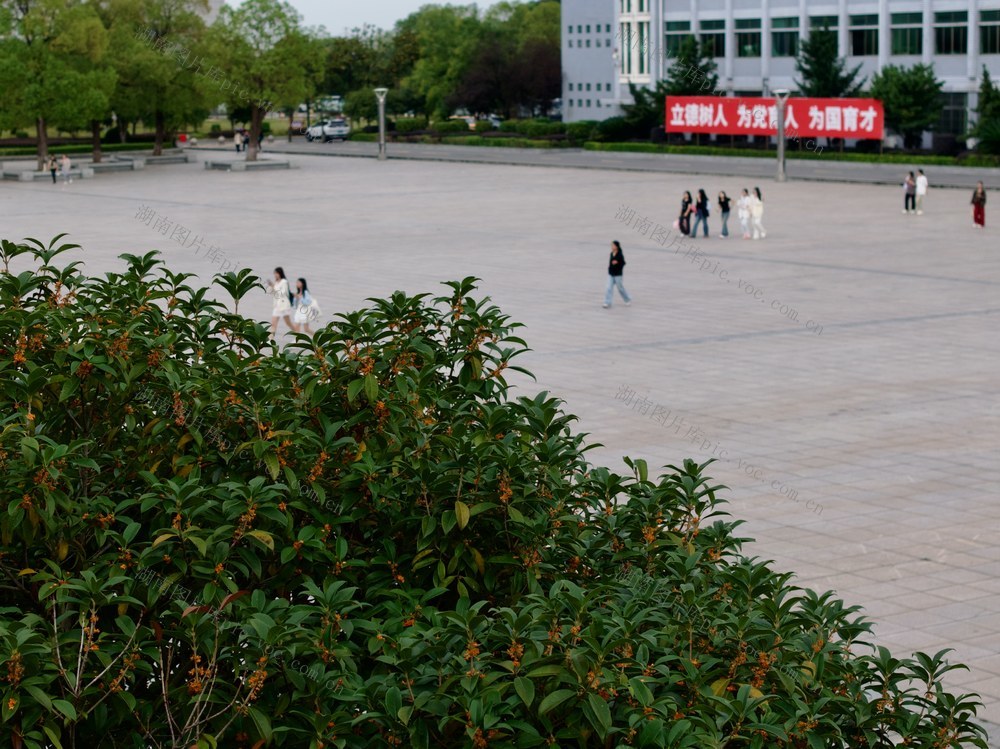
{"type": "Point", "coordinates": [367, 539]}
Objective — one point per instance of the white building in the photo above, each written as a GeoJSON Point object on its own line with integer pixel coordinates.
{"type": "Point", "coordinates": [756, 42]}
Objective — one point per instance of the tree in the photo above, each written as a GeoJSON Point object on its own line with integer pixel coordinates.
{"type": "Point", "coordinates": [446, 39]}
{"type": "Point", "coordinates": [50, 66]}
{"type": "Point", "coordinates": [824, 74]}
{"type": "Point", "coordinates": [158, 50]}
{"type": "Point", "coordinates": [648, 108]}
{"type": "Point", "coordinates": [911, 98]}
{"type": "Point", "coordinates": [693, 71]}
{"type": "Point", "coordinates": [369, 540]}
{"type": "Point", "coordinates": [268, 60]}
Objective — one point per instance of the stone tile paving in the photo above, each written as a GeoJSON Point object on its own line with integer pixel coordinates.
{"type": "Point", "coordinates": [883, 429]}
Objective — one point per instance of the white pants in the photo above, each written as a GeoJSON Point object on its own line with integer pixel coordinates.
{"type": "Point", "coordinates": [758, 228]}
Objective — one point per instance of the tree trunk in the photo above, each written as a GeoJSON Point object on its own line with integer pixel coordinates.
{"type": "Point", "coordinates": [161, 126]}
{"type": "Point", "coordinates": [43, 143]}
{"type": "Point", "coordinates": [95, 139]}
{"type": "Point", "coordinates": [122, 130]}
{"type": "Point", "coordinates": [256, 123]}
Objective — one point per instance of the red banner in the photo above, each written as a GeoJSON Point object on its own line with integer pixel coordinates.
{"type": "Point", "coordinates": [804, 118]}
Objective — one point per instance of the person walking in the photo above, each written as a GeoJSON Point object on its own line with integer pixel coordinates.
{"type": "Point", "coordinates": [979, 206]}
{"type": "Point", "coordinates": [909, 194]}
{"type": "Point", "coordinates": [53, 166]}
{"type": "Point", "coordinates": [65, 165]}
{"type": "Point", "coordinates": [921, 191]}
{"type": "Point", "coordinates": [238, 140]}
{"type": "Point", "coordinates": [743, 212]}
{"type": "Point", "coordinates": [306, 308]}
{"type": "Point", "coordinates": [281, 300]}
{"type": "Point", "coordinates": [724, 214]}
{"type": "Point", "coordinates": [700, 214]}
{"type": "Point", "coordinates": [757, 214]}
{"type": "Point", "coordinates": [684, 220]}
{"type": "Point", "coordinates": [616, 265]}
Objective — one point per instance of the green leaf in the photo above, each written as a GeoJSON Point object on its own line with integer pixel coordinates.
{"type": "Point", "coordinates": [354, 388]}
{"type": "Point", "coordinates": [65, 708]}
{"type": "Point", "coordinates": [393, 701]}
{"type": "Point", "coordinates": [262, 723]}
{"type": "Point", "coordinates": [525, 689]}
{"type": "Point", "coordinates": [371, 388]}
{"type": "Point", "coordinates": [461, 513]}
{"type": "Point", "coordinates": [273, 466]}
{"type": "Point", "coordinates": [554, 700]}
{"type": "Point", "coordinates": [264, 537]}
{"type": "Point", "coordinates": [602, 714]}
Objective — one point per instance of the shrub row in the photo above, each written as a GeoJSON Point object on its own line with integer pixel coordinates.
{"type": "Point", "coordinates": [75, 148]}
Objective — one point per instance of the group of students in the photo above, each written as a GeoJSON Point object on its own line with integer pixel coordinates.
{"type": "Point", "coordinates": [298, 308]}
{"type": "Point", "coordinates": [749, 210]}
{"type": "Point", "coordinates": [915, 190]}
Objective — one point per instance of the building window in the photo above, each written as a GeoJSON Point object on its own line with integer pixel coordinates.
{"type": "Point", "coordinates": [864, 35]}
{"type": "Point", "coordinates": [607, 42]}
{"type": "Point", "coordinates": [989, 32]}
{"type": "Point", "coordinates": [642, 6]}
{"type": "Point", "coordinates": [571, 87]}
{"type": "Point", "coordinates": [953, 115]}
{"type": "Point", "coordinates": [951, 32]}
{"type": "Point", "coordinates": [588, 87]}
{"type": "Point", "coordinates": [571, 28]}
{"type": "Point", "coordinates": [588, 28]}
{"type": "Point", "coordinates": [907, 33]}
{"type": "Point", "coordinates": [588, 42]}
{"type": "Point", "coordinates": [570, 42]}
{"type": "Point", "coordinates": [677, 32]}
{"type": "Point", "coordinates": [713, 37]}
{"type": "Point", "coordinates": [588, 102]}
{"type": "Point", "coordinates": [824, 22]}
{"type": "Point", "coordinates": [643, 37]}
{"type": "Point", "coordinates": [785, 37]}
{"type": "Point", "coordinates": [598, 103]}
{"type": "Point", "coordinates": [579, 102]}
{"type": "Point", "coordinates": [607, 86]}
{"type": "Point", "coordinates": [748, 37]}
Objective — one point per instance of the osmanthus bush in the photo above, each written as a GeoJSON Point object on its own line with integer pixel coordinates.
{"type": "Point", "coordinates": [365, 540]}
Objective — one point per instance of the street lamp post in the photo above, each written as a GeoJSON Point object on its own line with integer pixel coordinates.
{"type": "Point", "coordinates": [781, 95]}
{"type": "Point", "coordinates": [380, 94]}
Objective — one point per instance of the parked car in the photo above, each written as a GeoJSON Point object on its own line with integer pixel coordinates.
{"type": "Point", "coordinates": [328, 130]}
{"type": "Point", "coordinates": [493, 119]}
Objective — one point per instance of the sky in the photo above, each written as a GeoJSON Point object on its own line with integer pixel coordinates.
{"type": "Point", "coordinates": [338, 15]}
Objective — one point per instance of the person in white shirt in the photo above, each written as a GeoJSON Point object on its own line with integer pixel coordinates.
{"type": "Point", "coordinates": [921, 191]}
{"type": "Point", "coordinates": [757, 213]}
{"type": "Point", "coordinates": [743, 212]}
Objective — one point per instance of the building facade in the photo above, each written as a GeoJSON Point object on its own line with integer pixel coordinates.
{"type": "Point", "coordinates": [756, 43]}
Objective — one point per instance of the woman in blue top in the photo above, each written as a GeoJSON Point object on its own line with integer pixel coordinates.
{"type": "Point", "coordinates": [306, 310]}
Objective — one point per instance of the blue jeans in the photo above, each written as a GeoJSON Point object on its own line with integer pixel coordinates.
{"type": "Point", "coordinates": [612, 282]}
{"type": "Point", "coordinates": [703, 220]}
{"type": "Point", "coordinates": [725, 222]}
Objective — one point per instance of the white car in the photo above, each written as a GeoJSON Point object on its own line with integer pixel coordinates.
{"type": "Point", "coordinates": [328, 130]}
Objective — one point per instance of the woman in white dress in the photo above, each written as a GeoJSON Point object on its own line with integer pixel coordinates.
{"type": "Point", "coordinates": [743, 211]}
{"type": "Point", "coordinates": [281, 298]}
{"type": "Point", "coordinates": [757, 214]}
{"type": "Point", "coordinates": [306, 309]}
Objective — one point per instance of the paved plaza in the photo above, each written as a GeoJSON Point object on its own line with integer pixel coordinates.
{"type": "Point", "coordinates": [846, 369]}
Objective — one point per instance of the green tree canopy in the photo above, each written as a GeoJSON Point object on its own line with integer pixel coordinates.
{"type": "Point", "coordinates": [157, 49]}
{"type": "Point", "coordinates": [52, 67]}
{"type": "Point", "coordinates": [446, 38]}
{"type": "Point", "coordinates": [987, 125]}
{"type": "Point", "coordinates": [911, 98]}
{"type": "Point", "coordinates": [693, 71]}
{"type": "Point", "coordinates": [366, 540]}
{"type": "Point", "coordinates": [825, 74]}
{"type": "Point", "coordinates": [267, 59]}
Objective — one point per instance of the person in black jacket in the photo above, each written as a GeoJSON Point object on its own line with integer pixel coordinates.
{"type": "Point", "coordinates": [616, 264]}
{"type": "Point", "coordinates": [700, 214]}
{"type": "Point", "coordinates": [684, 220]}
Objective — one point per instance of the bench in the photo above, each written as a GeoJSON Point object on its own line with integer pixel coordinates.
{"type": "Point", "coordinates": [27, 175]}
{"type": "Point", "coordinates": [246, 166]}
